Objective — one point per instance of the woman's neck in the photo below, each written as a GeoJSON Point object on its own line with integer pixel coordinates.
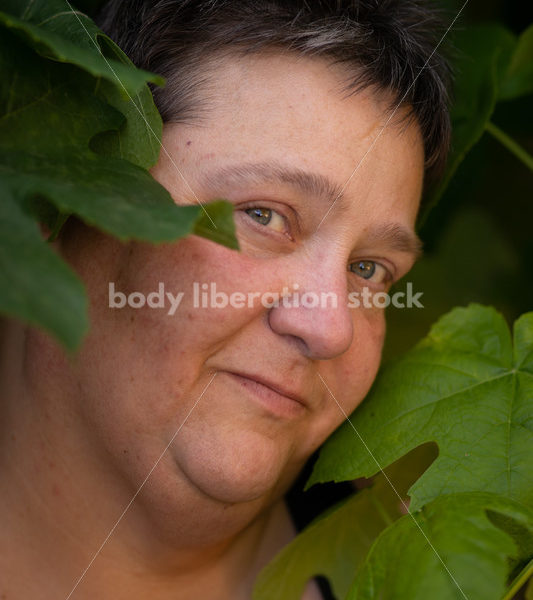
{"type": "Point", "coordinates": [66, 530]}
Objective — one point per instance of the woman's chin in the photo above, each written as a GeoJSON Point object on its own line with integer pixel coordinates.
{"type": "Point", "coordinates": [244, 468]}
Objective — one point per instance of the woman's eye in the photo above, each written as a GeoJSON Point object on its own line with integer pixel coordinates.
{"type": "Point", "coordinates": [369, 270]}
{"type": "Point", "coordinates": [267, 217]}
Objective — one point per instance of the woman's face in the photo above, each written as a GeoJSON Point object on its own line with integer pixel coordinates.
{"type": "Point", "coordinates": [280, 142]}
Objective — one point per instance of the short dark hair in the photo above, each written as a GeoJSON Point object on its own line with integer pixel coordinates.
{"type": "Point", "coordinates": [389, 44]}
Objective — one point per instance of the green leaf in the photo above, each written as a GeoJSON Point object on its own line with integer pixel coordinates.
{"type": "Point", "coordinates": [112, 194]}
{"type": "Point", "coordinates": [80, 42]}
{"type": "Point", "coordinates": [49, 113]}
{"type": "Point", "coordinates": [55, 30]}
{"type": "Point", "coordinates": [462, 387]}
{"type": "Point", "coordinates": [37, 286]}
{"type": "Point", "coordinates": [519, 76]}
{"type": "Point", "coordinates": [484, 52]}
{"type": "Point", "coordinates": [336, 544]}
{"type": "Point", "coordinates": [138, 139]}
{"type": "Point", "coordinates": [448, 550]}
{"type": "Point", "coordinates": [331, 546]}
{"type": "Point", "coordinates": [529, 590]}
{"type": "Point", "coordinates": [216, 223]}
{"type": "Point", "coordinates": [522, 537]}
{"type": "Point", "coordinates": [519, 582]}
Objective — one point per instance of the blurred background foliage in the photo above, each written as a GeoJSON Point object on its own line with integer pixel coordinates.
{"type": "Point", "coordinates": [478, 239]}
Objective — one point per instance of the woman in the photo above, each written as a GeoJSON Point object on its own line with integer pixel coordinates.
{"type": "Point", "coordinates": [153, 464]}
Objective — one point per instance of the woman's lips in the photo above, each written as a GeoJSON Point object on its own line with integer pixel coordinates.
{"type": "Point", "coordinates": [278, 399]}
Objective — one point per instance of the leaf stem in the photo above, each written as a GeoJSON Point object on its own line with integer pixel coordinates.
{"type": "Point", "coordinates": [519, 581]}
{"type": "Point", "coordinates": [510, 144]}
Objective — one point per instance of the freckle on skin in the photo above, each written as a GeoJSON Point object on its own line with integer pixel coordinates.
{"type": "Point", "coordinates": [189, 143]}
{"type": "Point", "coordinates": [55, 490]}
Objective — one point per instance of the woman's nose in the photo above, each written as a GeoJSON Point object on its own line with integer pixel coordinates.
{"type": "Point", "coordinates": [316, 312]}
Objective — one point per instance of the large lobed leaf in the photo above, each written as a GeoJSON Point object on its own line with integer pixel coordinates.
{"type": "Point", "coordinates": [55, 30]}
{"type": "Point", "coordinates": [470, 531]}
{"type": "Point", "coordinates": [454, 548]}
{"type": "Point", "coordinates": [449, 550]}
{"type": "Point", "coordinates": [464, 387]}
{"type": "Point", "coordinates": [77, 132]}
{"type": "Point", "coordinates": [336, 544]}
{"type": "Point", "coordinates": [37, 286]}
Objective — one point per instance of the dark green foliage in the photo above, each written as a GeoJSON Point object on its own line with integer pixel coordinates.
{"type": "Point", "coordinates": [78, 131]}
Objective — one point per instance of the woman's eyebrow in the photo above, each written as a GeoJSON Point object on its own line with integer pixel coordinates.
{"type": "Point", "coordinates": [395, 236]}
{"type": "Point", "coordinates": [305, 182]}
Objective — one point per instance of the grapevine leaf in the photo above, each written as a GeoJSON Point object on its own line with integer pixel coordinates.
{"type": "Point", "coordinates": [522, 537]}
{"type": "Point", "coordinates": [483, 55]}
{"type": "Point", "coordinates": [448, 550]}
{"type": "Point", "coordinates": [57, 31]}
{"type": "Point", "coordinates": [216, 224]}
{"type": "Point", "coordinates": [112, 194]}
{"type": "Point", "coordinates": [462, 387]}
{"type": "Point", "coordinates": [335, 544]}
{"type": "Point", "coordinates": [519, 77]}
{"type": "Point", "coordinates": [37, 286]}
{"type": "Point", "coordinates": [138, 139]}
{"type": "Point", "coordinates": [48, 117]}
{"type": "Point", "coordinates": [331, 546]}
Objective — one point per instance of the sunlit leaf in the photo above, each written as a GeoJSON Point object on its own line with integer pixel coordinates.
{"type": "Point", "coordinates": [463, 387]}
{"type": "Point", "coordinates": [337, 543]}
{"type": "Point", "coordinates": [447, 550]}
